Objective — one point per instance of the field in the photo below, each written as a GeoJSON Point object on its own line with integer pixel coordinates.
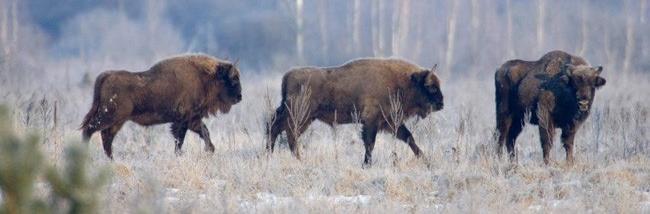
{"type": "Point", "coordinates": [460, 173]}
{"type": "Point", "coordinates": [51, 53]}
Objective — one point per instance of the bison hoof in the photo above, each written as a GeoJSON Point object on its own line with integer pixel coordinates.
{"type": "Point", "coordinates": [178, 152]}
{"type": "Point", "coordinates": [209, 148]}
{"type": "Point", "coordinates": [366, 165]}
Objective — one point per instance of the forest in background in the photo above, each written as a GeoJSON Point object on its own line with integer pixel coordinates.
{"type": "Point", "coordinates": [469, 37]}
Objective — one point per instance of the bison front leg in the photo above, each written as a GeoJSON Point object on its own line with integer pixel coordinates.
{"type": "Point", "coordinates": [199, 127]}
{"type": "Point", "coordinates": [546, 134]}
{"type": "Point", "coordinates": [545, 106]}
{"type": "Point", "coordinates": [368, 134]}
{"type": "Point", "coordinates": [568, 134]}
{"type": "Point", "coordinates": [179, 130]}
{"type": "Point", "coordinates": [107, 138]}
{"type": "Point", "coordinates": [405, 135]}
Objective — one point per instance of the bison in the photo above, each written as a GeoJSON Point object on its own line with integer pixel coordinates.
{"type": "Point", "coordinates": [557, 91]}
{"type": "Point", "coordinates": [362, 91]}
{"type": "Point", "coordinates": [180, 90]}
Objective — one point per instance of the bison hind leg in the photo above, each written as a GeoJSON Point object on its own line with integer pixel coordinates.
{"type": "Point", "coordinates": [178, 131]}
{"type": "Point", "coordinates": [277, 126]}
{"type": "Point", "coordinates": [293, 135]}
{"type": "Point", "coordinates": [87, 132]}
{"type": "Point", "coordinates": [515, 129]}
{"type": "Point", "coordinates": [504, 122]}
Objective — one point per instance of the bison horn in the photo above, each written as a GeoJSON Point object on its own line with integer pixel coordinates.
{"type": "Point", "coordinates": [435, 67]}
{"type": "Point", "coordinates": [599, 69]}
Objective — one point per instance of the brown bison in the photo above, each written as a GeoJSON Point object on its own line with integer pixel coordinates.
{"type": "Point", "coordinates": [557, 91]}
{"type": "Point", "coordinates": [180, 90]}
{"type": "Point", "coordinates": [362, 91]}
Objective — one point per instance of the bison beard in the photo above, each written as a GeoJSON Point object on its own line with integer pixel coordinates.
{"type": "Point", "coordinates": [556, 90]}
{"type": "Point", "coordinates": [357, 92]}
{"type": "Point", "coordinates": [180, 90]}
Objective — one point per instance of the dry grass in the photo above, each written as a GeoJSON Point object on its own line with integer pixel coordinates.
{"type": "Point", "coordinates": [611, 174]}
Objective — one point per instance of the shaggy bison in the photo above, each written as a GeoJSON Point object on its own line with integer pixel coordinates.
{"type": "Point", "coordinates": [557, 91]}
{"type": "Point", "coordinates": [373, 92]}
{"type": "Point", "coordinates": [180, 90]}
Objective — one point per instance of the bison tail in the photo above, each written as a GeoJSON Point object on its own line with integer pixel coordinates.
{"type": "Point", "coordinates": [96, 99]}
{"type": "Point", "coordinates": [284, 88]}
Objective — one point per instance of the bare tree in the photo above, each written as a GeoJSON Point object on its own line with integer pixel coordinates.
{"type": "Point", "coordinates": [585, 37]}
{"type": "Point", "coordinates": [299, 30]}
{"type": "Point", "coordinates": [475, 26]}
{"type": "Point", "coordinates": [356, 26]}
{"type": "Point", "coordinates": [541, 15]}
{"type": "Point", "coordinates": [642, 20]}
{"type": "Point", "coordinates": [322, 21]}
{"type": "Point", "coordinates": [8, 26]}
{"type": "Point", "coordinates": [3, 27]}
{"type": "Point", "coordinates": [451, 35]}
{"type": "Point", "coordinates": [629, 36]}
{"type": "Point", "coordinates": [378, 28]}
{"type": "Point", "coordinates": [374, 26]}
{"type": "Point", "coordinates": [510, 50]}
{"type": "Point", "coordinates": [419, 26]}
{"type": "Point", "coordinates": [401, 25]}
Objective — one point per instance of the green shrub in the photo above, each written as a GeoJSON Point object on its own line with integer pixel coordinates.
{"type": "Point", "coordinates": [21, 165]}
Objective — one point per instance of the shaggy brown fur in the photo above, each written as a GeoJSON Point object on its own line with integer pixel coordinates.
{"type": "Point", "coordinates": [181, 90]}
{"type": "Point", "coordinates": [358, 92]}
{"type": "Point", "coordinates": [556, 90]}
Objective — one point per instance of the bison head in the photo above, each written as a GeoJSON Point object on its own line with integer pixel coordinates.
{"type": "Point", "coordinates": [585, 80]}
{"type": "Point", "coordinates": [228, 76]}
{"type": "Point", "coordinates": [428, 85]}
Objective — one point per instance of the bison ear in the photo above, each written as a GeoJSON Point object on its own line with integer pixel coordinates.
{"type": "Point", "coordinates": [600, 82]}
{"type": "Point", "coordinates": [419, 77]}
{"type": "Point", "coordinates": [223, 70]}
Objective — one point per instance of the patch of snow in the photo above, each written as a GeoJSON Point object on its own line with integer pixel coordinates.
{"type": "Point", "coordinates": [645, 207]}
{"type": "Point", "coordinates": [359, 199]}
{"type": "Point", "coordinates": [171, 199]}
{"type": "Point", "coordinates": [535, 208]}
{"type": "Point", "coordinates": [438, 206]}
{"type": "Point", "coordinates": [269, 198]}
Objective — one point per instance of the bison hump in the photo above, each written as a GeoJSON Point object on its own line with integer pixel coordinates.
{"type": "Point", "coordinates": [203, 63]}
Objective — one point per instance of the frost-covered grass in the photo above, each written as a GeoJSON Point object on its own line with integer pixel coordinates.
{"type": "Point", "coordinates": [611, 174]}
